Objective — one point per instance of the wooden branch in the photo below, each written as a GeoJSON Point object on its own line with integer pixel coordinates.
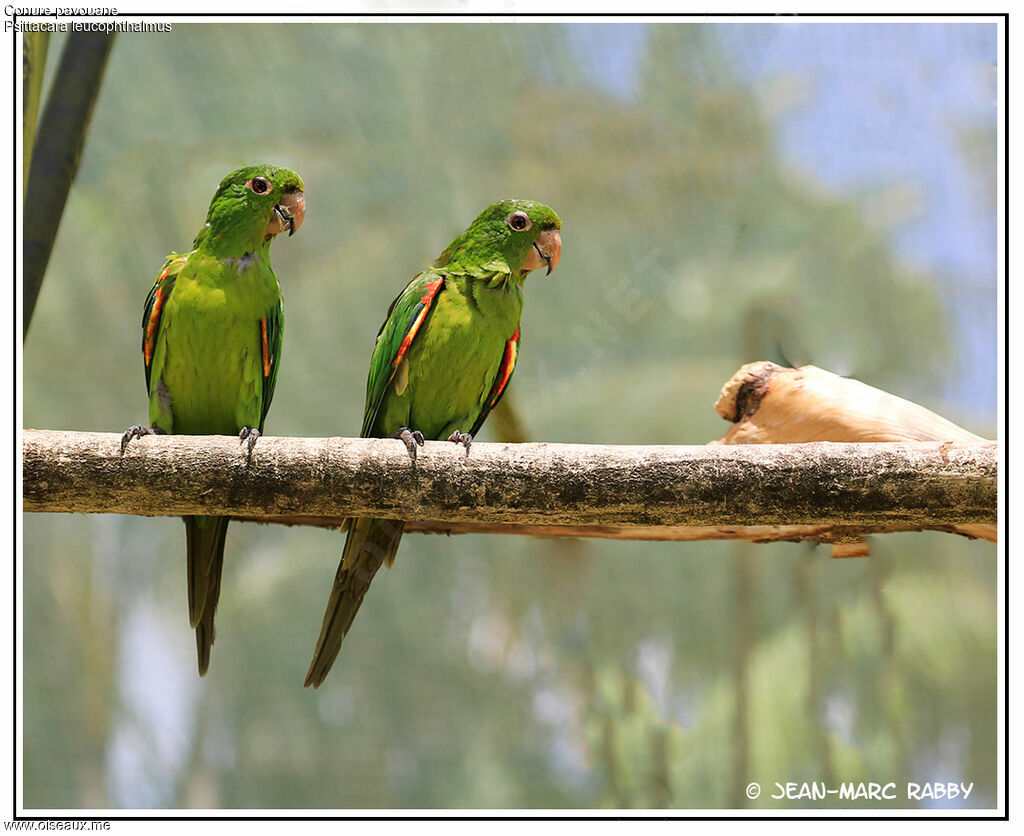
{"type": "Point", "coordinates": [822, 484]}
{"type": "Point", "coordinates": [838, 535]}
{"type": "Point", "coordinates": [770, 404]}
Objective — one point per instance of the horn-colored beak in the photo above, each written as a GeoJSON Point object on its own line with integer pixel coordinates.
{"type": "Point", "coordinates": [288, 214]}
{"type": "Point", "coordinates": [547, 249]}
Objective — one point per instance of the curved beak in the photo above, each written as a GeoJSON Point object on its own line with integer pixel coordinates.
{"type": "Point", "coordinates": [547, 249]}
{"type": "Point", "coordinates": [288, 214]}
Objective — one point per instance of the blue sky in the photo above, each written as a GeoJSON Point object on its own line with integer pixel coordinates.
{"type": "Point", "coordinates": [876, 106]}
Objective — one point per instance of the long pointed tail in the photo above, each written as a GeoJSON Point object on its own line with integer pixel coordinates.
{"type": "Point", "coordinates": [370, 543]}
{"type": "Point", "coordinates": [205, 538]}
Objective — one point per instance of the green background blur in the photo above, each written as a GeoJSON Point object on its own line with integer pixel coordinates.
{"type": "Point", "coordinates": [700, 232]}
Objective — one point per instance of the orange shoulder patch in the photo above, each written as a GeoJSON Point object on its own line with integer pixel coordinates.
{"type": "Point", "coordinates": [422, 309]}
{"type": "Point", "coordinates": [267, 359]}
{"type": "Point", "coordinates": [508, 364]}
{"type": "Point", "coordinates": [152, 322]}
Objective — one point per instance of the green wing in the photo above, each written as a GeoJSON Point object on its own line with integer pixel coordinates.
{"type": "Point", "coordinates": [271, 336]}
{"type": "Point", "coordinates": [405, 319]}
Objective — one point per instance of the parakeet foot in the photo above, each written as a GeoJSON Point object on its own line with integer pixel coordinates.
{"type": "Point", "coordinates": [137, 432]}
{"type": "Point", "coordinates": [250, 434]}
{"type": "Point", "coordinates": [465, 439]}
{"type": "Point", "coordinates": [410, 438]}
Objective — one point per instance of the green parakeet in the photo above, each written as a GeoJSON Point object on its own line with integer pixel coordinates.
{"type": "Point", "coordinates": [211, 346]}
{"type": "Point", "coordinates": [442, 360]}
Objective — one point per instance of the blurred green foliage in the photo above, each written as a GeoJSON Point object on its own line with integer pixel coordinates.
{"type": "Point", "coordinates": [489, 672]}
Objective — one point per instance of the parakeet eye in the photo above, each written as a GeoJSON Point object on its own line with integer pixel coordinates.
{"type": "Point", "coordinates": [259, 185]}
{"type": "Point", "coordinates": [519, 221]}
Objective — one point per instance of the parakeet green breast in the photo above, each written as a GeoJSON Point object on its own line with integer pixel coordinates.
{"type": "Point", "coordinates": [210, 360]}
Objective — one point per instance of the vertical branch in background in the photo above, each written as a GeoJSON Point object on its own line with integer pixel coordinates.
{"type": "Point", "coordinates": [806, 572]}
{"type": "Point", "coordinates": [55, 158]}
{"type": "Point", "coordinates": [659, 786]}
{"type": "Point", "coordinates": [743, 640]}
{"type": "Point", "coordinates": [33, 59]}
{"type": "Point", "coordinates": [885, 682]}
{"type": "Point", "coordinates": [96, 695]}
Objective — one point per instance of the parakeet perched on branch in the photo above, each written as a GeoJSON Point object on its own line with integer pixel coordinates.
{"type": "Point", "coordinates": [211, 346]}
{"type": "Point", "coordinates": [443, 358]}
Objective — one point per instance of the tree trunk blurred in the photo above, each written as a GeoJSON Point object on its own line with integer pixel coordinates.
{"type": "Point", "coordinates": [55, 158]}
{"type": "Point", "coordinates": [35, 46]}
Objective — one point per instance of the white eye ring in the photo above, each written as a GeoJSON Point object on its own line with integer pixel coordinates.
{"type": "Point", "coordinates": [519, 221]}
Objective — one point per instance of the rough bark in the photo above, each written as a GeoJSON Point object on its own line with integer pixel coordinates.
{"type": "Point", "coordinates": [821, 484]}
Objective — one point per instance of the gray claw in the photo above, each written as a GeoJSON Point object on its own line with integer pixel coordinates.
{"type": "Point", "coordinates": [410, 438]}
{"type": "Point", "coordinates": [250, 434]}
{"type": "Point", "coordinates": [137, 432]}
{"type": "Point", "coordinates": [465, 439]}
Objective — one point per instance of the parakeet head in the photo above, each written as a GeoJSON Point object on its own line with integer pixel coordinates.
{"type": "Point", "coordinates": [252, 205]}
{"type": "Point", "coordinates": [511, 236]}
